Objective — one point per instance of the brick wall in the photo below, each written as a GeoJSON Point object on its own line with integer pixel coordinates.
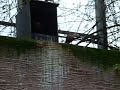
{"type": "Point", "coordinates": [49, 67]}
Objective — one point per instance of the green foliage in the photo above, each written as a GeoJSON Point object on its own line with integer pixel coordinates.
{"type": "Point", "coordinates": [116, 67]}
{"type": "Point", "coordinates": [20, 45]}
{"type": "Point", "coordinates": [104, 58]}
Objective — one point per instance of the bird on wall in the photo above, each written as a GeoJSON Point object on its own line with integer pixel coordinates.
{"type": "Point", "coordinates": [70, 37]}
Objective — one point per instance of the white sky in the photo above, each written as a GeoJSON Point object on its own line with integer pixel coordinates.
{"type": "Point", "coordinates": [70, 15]}
{"type": "Point", "coordinates": [73, 10]}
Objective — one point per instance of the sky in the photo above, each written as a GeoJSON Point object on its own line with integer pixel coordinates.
{"type": "Point", "coordinates": [71, 15]}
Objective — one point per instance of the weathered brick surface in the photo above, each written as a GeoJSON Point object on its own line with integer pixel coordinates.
{"type": "Point", "coordinates": [52, 68]}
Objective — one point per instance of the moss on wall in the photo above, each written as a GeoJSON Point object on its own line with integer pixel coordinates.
{"type": "Point", "coordinates": [104, 58]}
{"type": "Point", "coordinates": [20, 45]}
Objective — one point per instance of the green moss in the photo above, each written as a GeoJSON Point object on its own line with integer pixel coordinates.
{"type": "Point", "coordinates": [104, 58]}
{"type": "Point", "coordinates": [117, 67]}
{"type": "Point", "coordinates": [20, 45]}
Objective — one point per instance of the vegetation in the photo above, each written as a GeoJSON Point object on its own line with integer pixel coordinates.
{"type": "Point", "coordinates": [104, 58]}
{"type": "Point", "coordinates": [20, 45]}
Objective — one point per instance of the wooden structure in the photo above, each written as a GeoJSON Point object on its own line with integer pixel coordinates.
{"type": "Point", "coordinates": [37, 17]}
